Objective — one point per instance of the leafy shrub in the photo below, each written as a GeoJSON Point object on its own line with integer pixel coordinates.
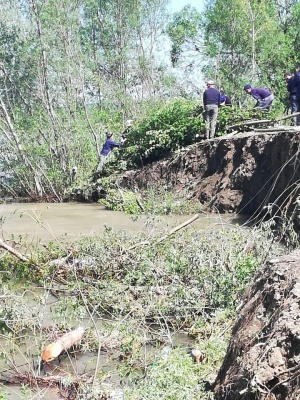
{"type": "Point", "coordinates": [167, 128]}
{"type": "Point", "coordinates": [158, 201]}
{"type": "Point", "coordinates": [233, 115]}
{"type": "Point", "coordinates": [118, 200]}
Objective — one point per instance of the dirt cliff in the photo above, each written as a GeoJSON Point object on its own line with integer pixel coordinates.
{"type": "Point", "coordinates": [255, 174]}
{"type": "Point", "coordinates": [263, 357]}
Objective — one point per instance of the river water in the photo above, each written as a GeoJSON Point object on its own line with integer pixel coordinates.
{"type": "Point", "coordinates": [44, 222]}
{"type": "Point", "coordinates": [67, 222]}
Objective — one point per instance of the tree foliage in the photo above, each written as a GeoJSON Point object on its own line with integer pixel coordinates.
{"type": "Point", "coordinates": [246, 42]}
{"type": "Point", "coordinates": [68, 70]}
{"type": "Point", "coordinates": [184, 32]}
{"type": "Point", "coordinates": [167, 128]}
{"type": "Point", "coordinates": [242, 41]}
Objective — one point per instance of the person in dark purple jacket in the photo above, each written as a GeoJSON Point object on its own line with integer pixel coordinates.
{"type": "Point", "coordinates": [211, 102]}
{"type": "Point", "coordinates": [108, 146]}
{"type": "Point", "coordinates": [291, 86]}
{"type": "Point", "coordinates": [263, 96]}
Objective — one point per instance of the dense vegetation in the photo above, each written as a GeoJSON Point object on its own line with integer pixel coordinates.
{"type": "Point", "coordinates": [172, 127]}
{"type": "Point", "coordinates": [242, 41]}
{"type": "Point", "coordinates": [146, 300]}
{"type": "Point", "coordinates": [69, 70]}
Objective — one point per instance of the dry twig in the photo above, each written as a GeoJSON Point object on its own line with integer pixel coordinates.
{"type": "Point", "coordinates": [12, 251]}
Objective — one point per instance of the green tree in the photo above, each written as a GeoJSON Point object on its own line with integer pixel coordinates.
{"type": "Point", "coordinates": [44, 80]}
{"type": "Point", "coordinates": [184, 33]}
{"type": "Point", "coordinates": [123, 38]}
{"type": "Point", "coordinates": [246, 41]}
{"type": "Point", "coordinates": [239, 41]}
{"type": "Point", "coordinates": [67, 70]}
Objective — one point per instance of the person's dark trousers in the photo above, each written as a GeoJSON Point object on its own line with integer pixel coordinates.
{"type": "Point", "coordinates": [295, 108]}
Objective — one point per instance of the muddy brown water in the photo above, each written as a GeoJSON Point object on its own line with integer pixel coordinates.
{"type": "Point", "coordinates": [64, 223]}
{"type": "Point", "coordinates": [70, 221]}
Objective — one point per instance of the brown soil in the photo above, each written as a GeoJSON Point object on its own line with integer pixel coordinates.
{"type": "Point", "coordinates": [251, 174]}
{"type": "Point", "coordinates": [263, 358]}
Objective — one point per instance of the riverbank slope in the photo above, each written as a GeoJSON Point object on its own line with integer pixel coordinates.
{"type": "Point", "coordinates": [262, 360]}
{"type": "Point", "coordinates": [251, 173]}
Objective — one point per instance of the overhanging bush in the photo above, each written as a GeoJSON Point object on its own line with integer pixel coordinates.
{"type": "Point", "coordinates": [166, 129]}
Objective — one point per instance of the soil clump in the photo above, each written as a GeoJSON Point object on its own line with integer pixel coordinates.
{"type": "Point", "coordinates": [263, 357]}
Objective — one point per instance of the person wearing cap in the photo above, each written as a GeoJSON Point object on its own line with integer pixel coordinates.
{"type": "Point", "coordinates": [263, 96]}
{"type": "Point", "coordinates": [127, 129]}
{"type": "Point", "coordinates": [108, 146]}
{"type": "Point", "coordinates": [291, 86]}
{"type": "Point", "coordinates": [211, 101]}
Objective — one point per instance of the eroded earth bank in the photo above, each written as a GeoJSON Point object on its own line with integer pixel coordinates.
{"type": "Point", "coordinates": [263, 357]}
{"type": "Point", "coordinates": [248, 173]}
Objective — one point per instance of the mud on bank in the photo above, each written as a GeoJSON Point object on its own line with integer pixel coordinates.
{"type": "Point", "coordinates": [262, 360]}
{"type": "Point", "coordinates": [254, 174]}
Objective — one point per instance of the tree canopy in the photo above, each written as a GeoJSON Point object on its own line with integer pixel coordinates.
{"type": "Point", "coordinates": [69, 70]}
{"type": "Point", "coordinates": [241, 41]}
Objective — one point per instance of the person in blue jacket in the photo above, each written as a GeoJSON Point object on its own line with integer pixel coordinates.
{"type": "Point", "coordinates": [108, 146]}
{"type": "Point", "coordinates": [264, 98]}
{"type": "Point", "coordinates": [297, 82]}
{"type": "Point", "coordinates": [224, 99]}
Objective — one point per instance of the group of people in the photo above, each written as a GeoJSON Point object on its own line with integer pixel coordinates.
{"type": "Point", "coordinates": [213, 99]}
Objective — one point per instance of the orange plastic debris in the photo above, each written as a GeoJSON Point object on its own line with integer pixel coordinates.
{"type": "Point", "coordinates": [54, 349]}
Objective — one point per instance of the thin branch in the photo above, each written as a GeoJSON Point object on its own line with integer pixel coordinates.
{"type": "Point", "coordinates": [177, 228]}
{"type": "Point", "coordinates": [12, 251]}
{"type": "Point", "coordinates": [172, 231]}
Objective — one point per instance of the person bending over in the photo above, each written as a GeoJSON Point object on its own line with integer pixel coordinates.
{"type": "Point", "coordinates": [264, 98]}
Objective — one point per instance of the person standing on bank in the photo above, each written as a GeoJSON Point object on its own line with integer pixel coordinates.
{"type": "Point", "coordinates": [296, 81]}
{"type": "Point", "coordinates": [264, 98]}
{"type": "Point", "coordinates": [211, 101]}
{"type": "Point", "coordinates": [108, 146]}
{"type": "Point", "coordinates": [292, 89]}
